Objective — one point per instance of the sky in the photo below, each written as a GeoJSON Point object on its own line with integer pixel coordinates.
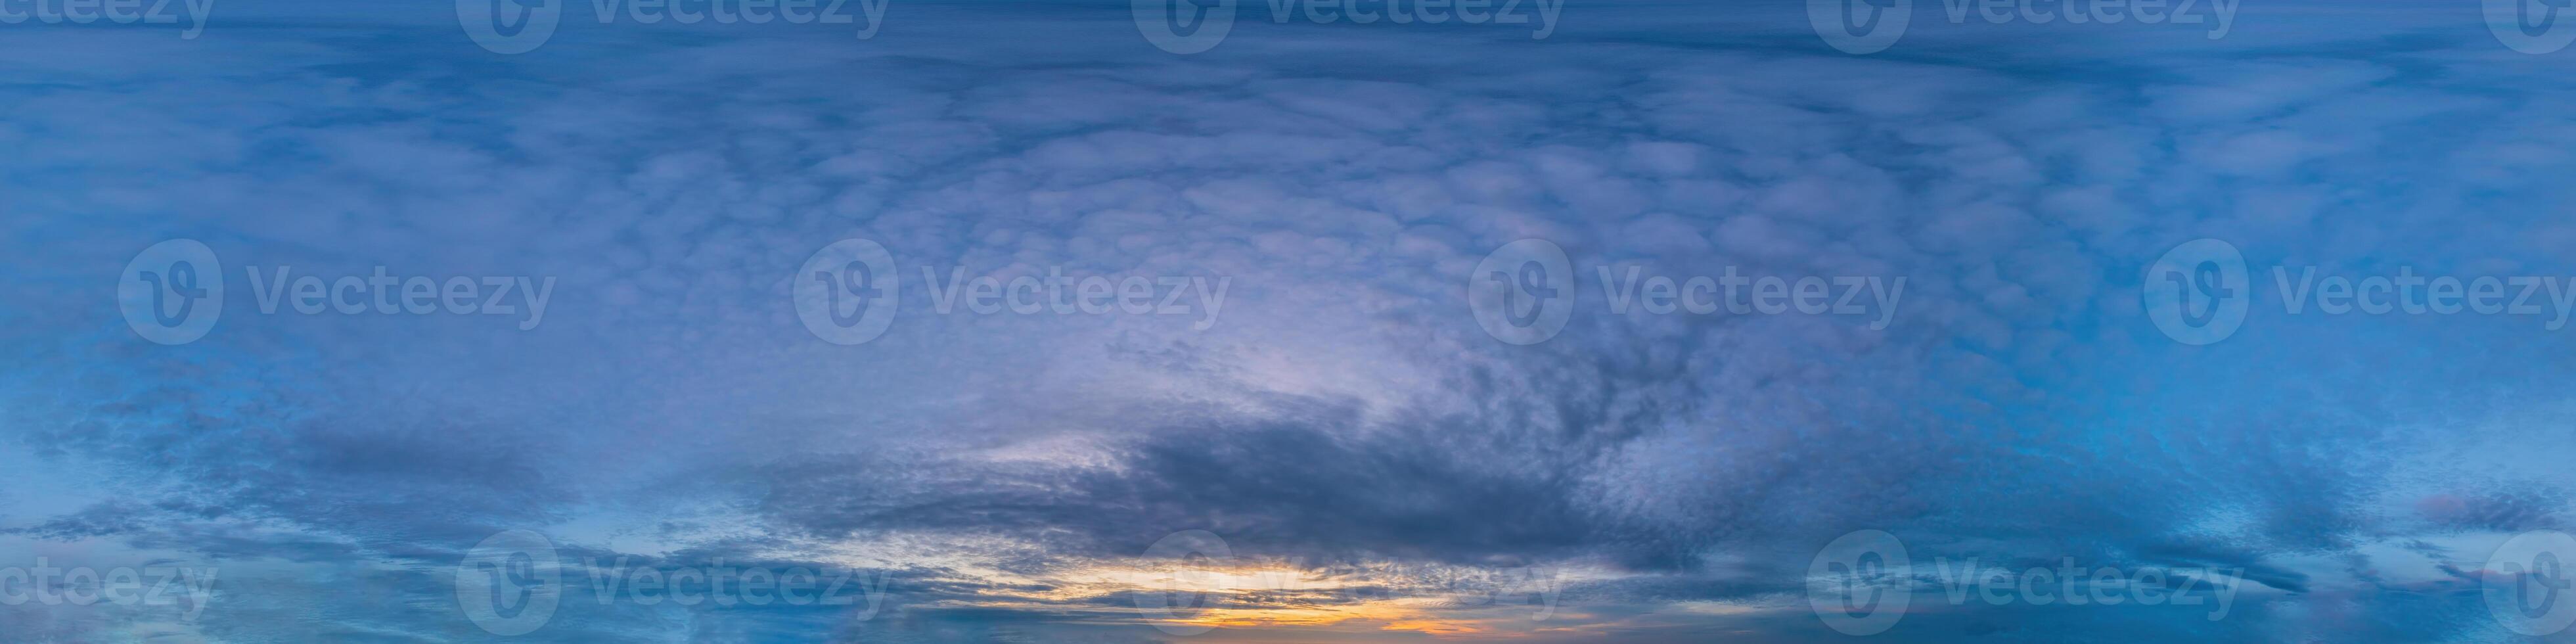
{"type": "Point", "coordinates": [1237, 321]}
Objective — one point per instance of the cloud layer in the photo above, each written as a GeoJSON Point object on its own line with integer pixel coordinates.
{"type": "Point", "coordinates": [1342, 422]}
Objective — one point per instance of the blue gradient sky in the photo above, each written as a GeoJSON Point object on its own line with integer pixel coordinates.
{"type": "Point", "coordinates": [1369, 455]}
